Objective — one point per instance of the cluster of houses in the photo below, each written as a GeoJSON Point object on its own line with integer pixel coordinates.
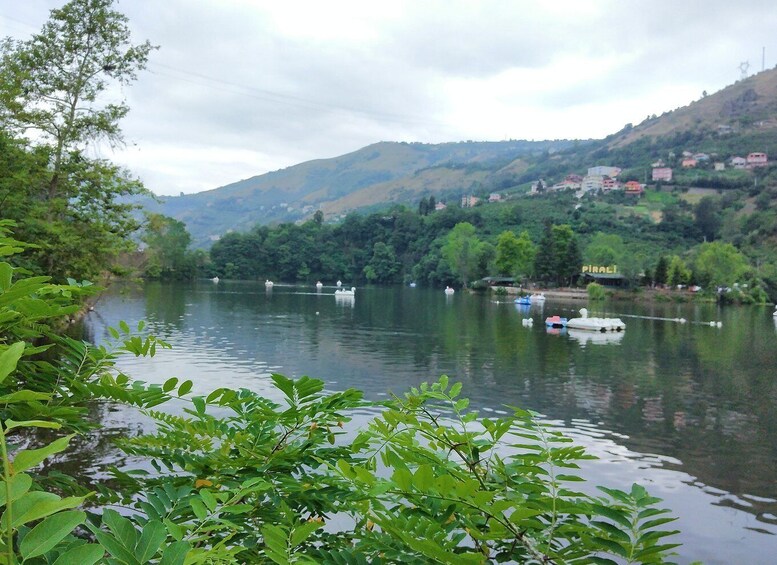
{"type": "Point", "coordinates": [605, 178]}
{"type": "Point", "coordinates": [599, 179]}
{"type": "Point", "coordinates": [468, 201]}
{"type": "Point", "coordinates": [693, 160]}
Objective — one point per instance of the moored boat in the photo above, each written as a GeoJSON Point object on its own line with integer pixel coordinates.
{"type": "Point", "coordinates": [524, 300]}
{"type": "Point", "coordinates": [345, 292]}
{"type": "Point", "coordinates": [556, 322]}
{"type": "Point", "coordinates": [595, 324]}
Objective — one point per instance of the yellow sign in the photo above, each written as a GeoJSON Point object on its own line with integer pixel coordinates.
{"type": "Point", "coordinates": [596, 269]}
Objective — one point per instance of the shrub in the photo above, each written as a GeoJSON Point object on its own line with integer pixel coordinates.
{"type": "Point", "coordinates": [500, 291]}
{"type": "Point", "coordinates": [596, 291]}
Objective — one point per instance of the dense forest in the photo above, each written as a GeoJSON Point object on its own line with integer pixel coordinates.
{"type": "Point", "coordinates": [543, 238]}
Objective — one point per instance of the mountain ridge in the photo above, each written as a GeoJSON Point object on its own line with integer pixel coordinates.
{"type": "Point", "coordinates": [742, 116]}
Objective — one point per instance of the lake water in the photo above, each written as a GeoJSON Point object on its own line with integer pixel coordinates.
{"type": "Point", "coordinates": [687, 410]}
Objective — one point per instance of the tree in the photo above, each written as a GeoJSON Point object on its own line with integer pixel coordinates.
{"type": "Point", "coordinates": [51, 90]}
{"type": "Point", "coordinates": [383, 266]}
{"type": "Point", "coordinates": [707, 218]}
{"type": "Point", "coordinates": [678, 272]}
{"type": "Point", "coordinates": [462, 251]}
{"type": "Point", "coordinates": [661, 272]}
{"type": "Point", "coordinates": [168, 243]}
{"type": "Point", "coordinates": [423, 207]}
{"type": "Point", "coordinates": [544, 261]}
{"type": "Point", "coordinates": [604, 249]}
{"type": "Point", "coordinates": [558, 258]}
{"type": "Point", "coordinates": [506, 253]}
{"type": "Point", "coordinates": [719, 264]}
{"type": "Point", "coordinates": [515, 255]}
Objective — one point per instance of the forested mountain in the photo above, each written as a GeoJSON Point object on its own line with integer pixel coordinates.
{"type": "Point", "coordinates": [739, 119]}
{"type": "Point", "coordinates": [385, 172]}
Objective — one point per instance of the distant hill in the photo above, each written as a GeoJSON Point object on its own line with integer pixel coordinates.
{"type": "Point", "coordinates": [739, 119]}
{"type": "Point", "coordinates": [747, 104]}
{"type": "Point", "coordinates": [381, 173]}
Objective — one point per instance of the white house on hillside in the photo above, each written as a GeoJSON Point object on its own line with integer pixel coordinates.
{"type": "Point", "coordinates": [602, 170]}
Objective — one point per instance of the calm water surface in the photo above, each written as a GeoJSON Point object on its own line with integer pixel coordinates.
{"type": "Point", "coordinates": [688, 410]}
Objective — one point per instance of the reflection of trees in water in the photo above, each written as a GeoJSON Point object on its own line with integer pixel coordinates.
{"type": "Point", "coordinates": [91, 454]}
{"type": "Point", "coordinates": [701, 395]}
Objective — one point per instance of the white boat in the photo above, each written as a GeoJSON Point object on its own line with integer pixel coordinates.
{"type": "Point", "coordinates": [775, 312]}
{"type": "Point", "coordinates": [345, 292]}
{"type": "Point", "coordinates": [449, 290]}
{"type": "Point", "coordinates": [412, 285]}
{"type": "Point", "coordinates": [319, 285]}
{"type": "Point", "coordinates": [339, 284]}
{"type": "Point", "coordinates": [215, 279]}
{"type": "Point", "coordinates": [537, 297]}
{"type": "Point", "coordinates": [595, 324]}
{"type": "Point", "coordinates": [268, 283]}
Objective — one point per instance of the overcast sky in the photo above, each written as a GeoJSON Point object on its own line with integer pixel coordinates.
{"type": "Point", "coordinates": [243, 87]}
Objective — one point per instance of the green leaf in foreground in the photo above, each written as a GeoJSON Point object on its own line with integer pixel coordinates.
{"type": "Point", "coordinates": [50, 532]}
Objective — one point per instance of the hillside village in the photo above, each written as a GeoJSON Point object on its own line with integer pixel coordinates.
{"type": "Point", "coordinates": [603, 179]}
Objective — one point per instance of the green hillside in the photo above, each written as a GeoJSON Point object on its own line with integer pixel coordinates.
{"type": "Point", "coordinates": [739, 119]}
{"type": "Point", "coordinates": [380, 173]}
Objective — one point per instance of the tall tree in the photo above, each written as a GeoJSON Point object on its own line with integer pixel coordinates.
{"type": "Point", "coordinates": [719, 264]}
{"type": "Point", "coordinates": [558, 258]}
{"type": "Point", "coordinates": [52, 88]}
{"type": "Point", "coordinates": [168, 244]}
{"type": "Point", "coordinates": [707, 218]}
{"type": "Point", "coordinates": [678, 273]}
{"type": "Point", "coordinates": [383, 266]}
{"type": "Point", "coordinates": [515, 255]}
{"type": "Point", "coordinates": [462, 250]}
{"type": "Point", "coordinates": [544, 260]}
{"type": "Point", "coordinates": [423, 207]}
{"type": "Point", "coordinates": [506, 253]}
{"type": "Point", "coordinates": [662, 268]}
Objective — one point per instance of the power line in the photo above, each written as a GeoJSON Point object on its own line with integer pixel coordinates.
{"type": "Point", "coordinates": [266, 95]}
{"type": "Point", "coordinates": [283, 98]}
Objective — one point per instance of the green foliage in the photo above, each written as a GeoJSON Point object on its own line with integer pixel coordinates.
{"type": "Point", "coordinates": [595, 291]}
{"type": "Point", "coordinates": [515, 255]}
{"type": "Point", "coordinates": [719, 264]}
{"type": "Point", "coordinates": [241, 478]}
{"type": "Point", "coordinates": [605, 249]}
{"type": "Point", "coordinates": [661, 271]}
{"type": "Point", "coordinates": [462, 250]}
{"type": "Point", "coordinates": [167, 252]}
{"type": "Point", "coordinates": [55, 84]}
{"type": "Point", "coordinates": [677, 273]}
{"type": "Point", "coordinates": [383, 266]}
{"type": "Point", "coordinates": [558, 257]}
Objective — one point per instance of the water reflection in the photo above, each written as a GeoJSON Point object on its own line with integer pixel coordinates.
{"type": "Point", "coordinates": [597, 338]}
{"type": "Point", "coordinates": [346, 300]}
{"type": "Point", "coordinates": [698, 403]}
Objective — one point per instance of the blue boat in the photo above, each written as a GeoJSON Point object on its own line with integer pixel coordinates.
{"type": "Point", "coordinates": [523, 300]}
